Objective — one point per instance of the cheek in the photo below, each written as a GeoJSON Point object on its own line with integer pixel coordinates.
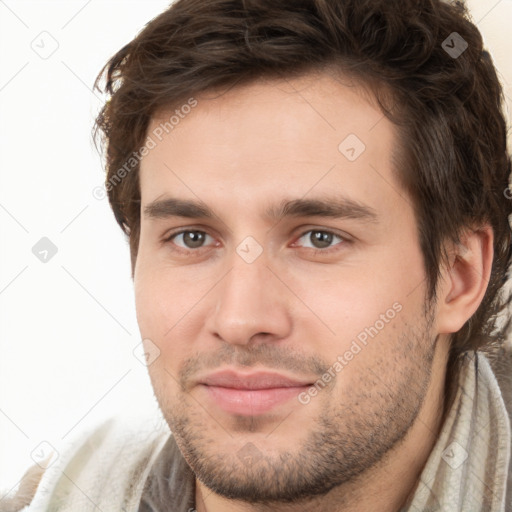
{"type": "Point", "coordinates": [169, 310]}
{"type": "Point", "coordinates": [360, 314]}
{"type": "Point", "coordinates": [156, 320]}
{"type": "Point", "coordinates": [341, 306]}
{"type": "Point", "coordinates": [160, 297]}
{"type": "Point", "coordinates": [148, 303]}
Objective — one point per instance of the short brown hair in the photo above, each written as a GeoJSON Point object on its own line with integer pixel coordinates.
{"type": "Point", "coordinates": [453, 158]}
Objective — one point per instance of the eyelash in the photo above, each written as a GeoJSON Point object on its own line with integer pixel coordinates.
{"type": "Point", "coordinates": [315, 251]}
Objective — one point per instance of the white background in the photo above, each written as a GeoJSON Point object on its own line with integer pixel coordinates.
{"type": "Point", "coordinates": [68, 326]}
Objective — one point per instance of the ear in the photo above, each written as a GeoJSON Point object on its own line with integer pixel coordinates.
{"type": "Point", "coordinates": [465, 278]}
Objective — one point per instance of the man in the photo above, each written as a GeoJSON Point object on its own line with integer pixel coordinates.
{"type": "Point", "coordinates": [315, 196]}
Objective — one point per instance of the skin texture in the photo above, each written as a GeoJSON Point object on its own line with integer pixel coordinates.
{"type": "Point", "coordinates": [361, 441]}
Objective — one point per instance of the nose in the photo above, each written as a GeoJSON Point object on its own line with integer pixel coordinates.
{"type": "Point", "coordinates": [250, 305]}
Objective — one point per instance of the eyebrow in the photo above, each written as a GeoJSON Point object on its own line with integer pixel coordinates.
{"type": "Point", "coordinates": [336, 208]}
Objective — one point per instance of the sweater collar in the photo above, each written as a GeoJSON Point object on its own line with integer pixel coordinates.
{"type": "Point", "coordinates": [469, 464]}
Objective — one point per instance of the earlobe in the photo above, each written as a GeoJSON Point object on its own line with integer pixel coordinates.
{"type": "Point", "coordinates": [465, 279]}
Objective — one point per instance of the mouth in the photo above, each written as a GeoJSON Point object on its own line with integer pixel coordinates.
{"type": "Point", "coordinates": [251, 394]}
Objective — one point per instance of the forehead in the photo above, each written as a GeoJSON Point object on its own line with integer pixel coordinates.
{"type": "Point", "coordinates": [329, 101]}
{"type": "Point", "coordinates": [309, 132]}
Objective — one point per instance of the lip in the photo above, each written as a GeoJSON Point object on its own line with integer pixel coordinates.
{"type": "Point", "coordinates": [252, 393]}
{"type": "Point", "coordinates": [251, 381]}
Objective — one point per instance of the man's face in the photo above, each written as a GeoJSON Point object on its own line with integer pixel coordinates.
{"type": "Point", "coordinates": [294, 350]}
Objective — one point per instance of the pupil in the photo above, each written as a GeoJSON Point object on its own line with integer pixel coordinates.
{"type": "Point", "coordinates": [321, 238]}
{"type": "Point", "coordinates": [193, 238]}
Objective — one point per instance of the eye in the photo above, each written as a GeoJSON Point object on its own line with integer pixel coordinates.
{"type": "Point", "coordinates": [320, 240]}
{"type": "Point", "coordinates": [189, 239]}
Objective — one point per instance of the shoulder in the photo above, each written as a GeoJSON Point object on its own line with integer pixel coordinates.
{"type": "Point", "coordinates": [500, 360]}
{"type": "Point", "coordinates": [120, 448]}
{"type": "Point", "coordinates": [26, 490]}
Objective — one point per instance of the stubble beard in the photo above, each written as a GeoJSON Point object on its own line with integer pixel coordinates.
{"type": "Point", "coordinates": [349, 436]}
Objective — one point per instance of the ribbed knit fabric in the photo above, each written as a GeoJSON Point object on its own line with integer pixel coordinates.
{"type": "Point", "coordinates": [127, 468]}
{"type": "Point", "coordinates": [468, 468]}
{"type": "Point", "coordinates": [102, 471]}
